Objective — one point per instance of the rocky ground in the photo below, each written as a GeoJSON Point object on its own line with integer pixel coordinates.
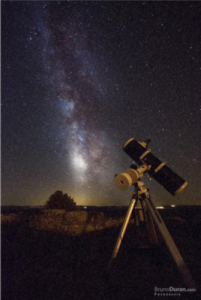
{"type": "Point", "coordinates": [41, 264]}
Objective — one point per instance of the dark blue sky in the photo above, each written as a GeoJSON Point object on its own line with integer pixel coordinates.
{"type": "Point", "coordinates": [81, 78]}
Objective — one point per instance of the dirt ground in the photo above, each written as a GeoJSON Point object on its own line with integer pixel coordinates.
{"type": "Point", "coordinates": [45, 265]}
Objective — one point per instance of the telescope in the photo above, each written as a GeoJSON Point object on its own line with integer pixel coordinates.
{"type": "Point", "coordinates": [149, 163]}
{"type": "Point", "coordinates": [173, 183]}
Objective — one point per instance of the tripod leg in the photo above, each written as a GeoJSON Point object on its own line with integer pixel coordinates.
{"type": "Point", "coordinates": [187, 278]}
{"type": "Point", "coordinates": [151, 231]}
{"type": "Point", "coordinates": [123, 229]}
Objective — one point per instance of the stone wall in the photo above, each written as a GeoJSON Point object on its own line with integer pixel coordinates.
{"type": "Point", "coordinates": [13, 218]}
{"type": "Point", "coordinates": [70, 223]}
{"type": "Point", "coordinates": [73, 223]}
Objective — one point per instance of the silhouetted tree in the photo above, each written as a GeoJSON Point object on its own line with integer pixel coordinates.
{"type": "Point", "coordinates": [58, 200]}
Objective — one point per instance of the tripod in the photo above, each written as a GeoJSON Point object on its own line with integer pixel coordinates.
{"type": "Point", "coordinates": [150, 213]}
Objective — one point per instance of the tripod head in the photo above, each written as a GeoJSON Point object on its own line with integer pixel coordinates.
{"type": "Point", "coordinates": [141, 191]}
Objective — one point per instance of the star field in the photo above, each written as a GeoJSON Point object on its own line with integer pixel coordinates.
{"type": "Point", "coordinates": [81, 78]}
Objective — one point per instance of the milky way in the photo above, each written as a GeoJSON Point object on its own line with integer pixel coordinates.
{"type": "Point", "coordinates": [81, 78]}
{"type": "Point", "coordinates": [77, 83]}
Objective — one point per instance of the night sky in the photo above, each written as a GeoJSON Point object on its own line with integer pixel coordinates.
{"type": "Point", "coordinates": [81, 78]}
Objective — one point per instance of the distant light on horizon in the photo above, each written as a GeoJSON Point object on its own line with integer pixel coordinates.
{"type": "Point", "coordinates": [160, 207]}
